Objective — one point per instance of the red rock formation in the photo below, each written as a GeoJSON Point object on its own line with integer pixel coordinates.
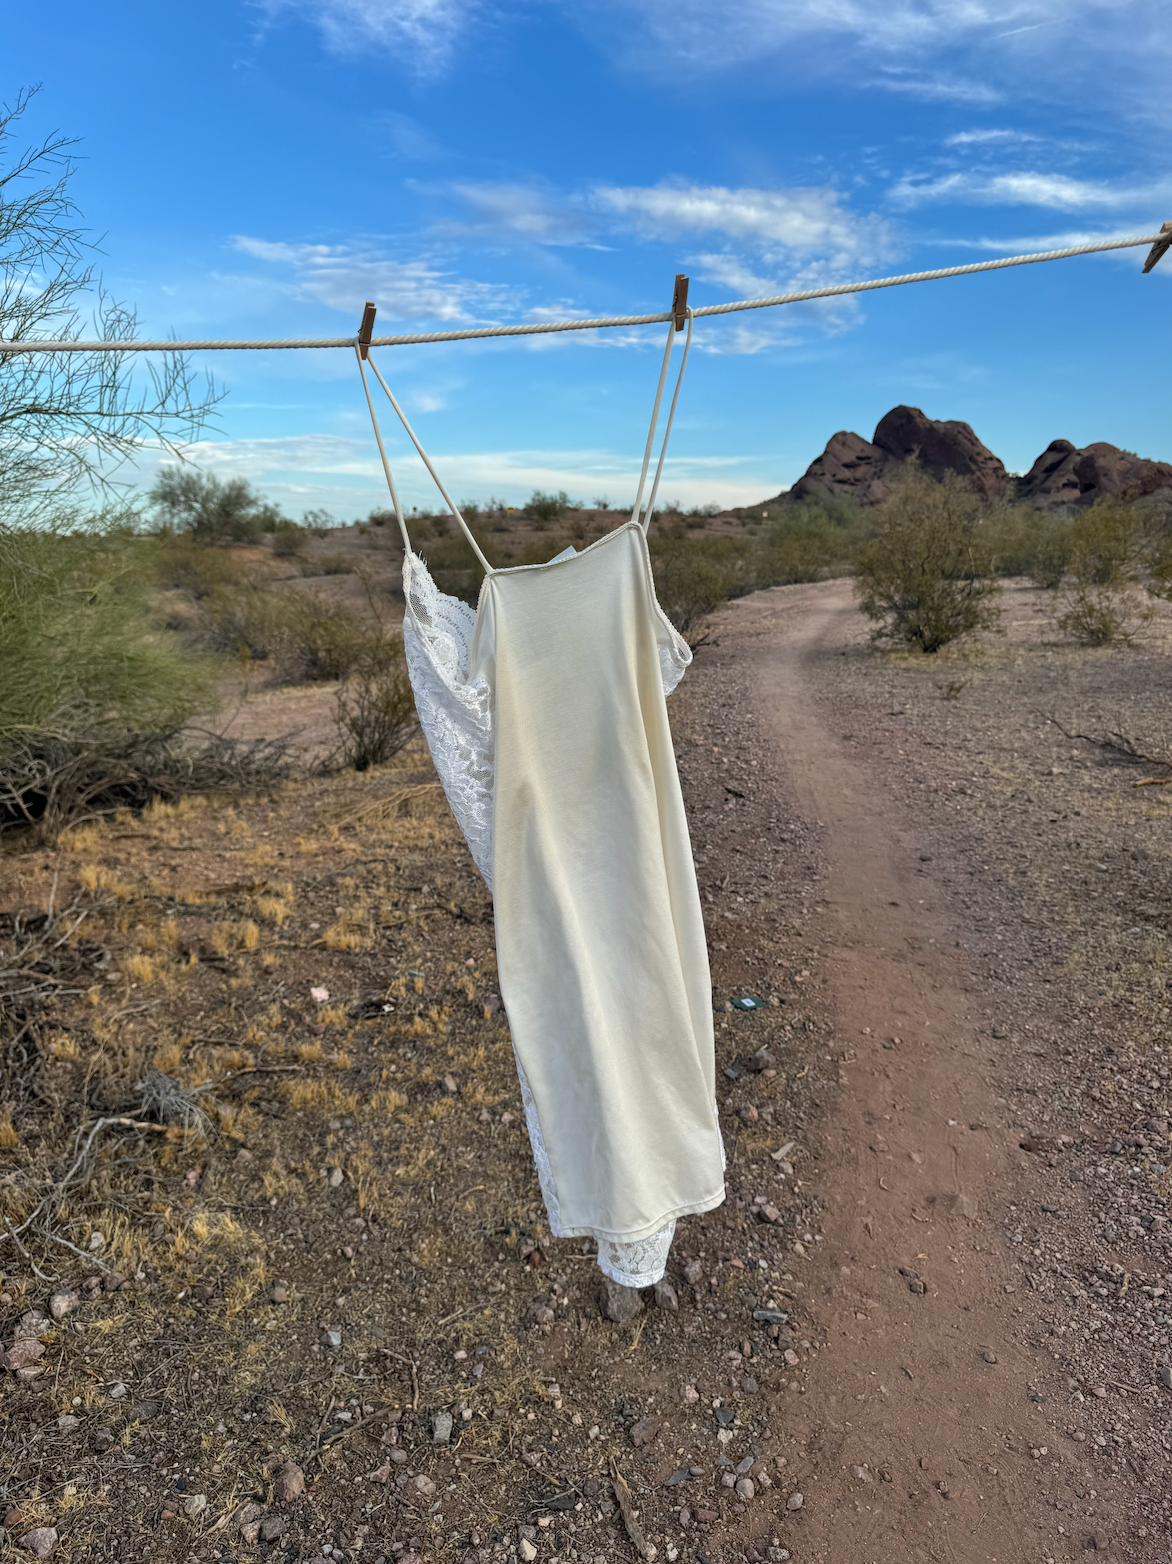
{"type": "Point", "coordinates": [1064, 475]}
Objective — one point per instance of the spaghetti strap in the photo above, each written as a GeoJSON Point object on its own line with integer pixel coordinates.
{"type": "Point", "coordinates": [671, 333]}
{"type": "Point", "coordinates": [463, 525]}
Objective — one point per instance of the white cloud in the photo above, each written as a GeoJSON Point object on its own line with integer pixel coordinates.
{"type": "Point", "coordinates": [774, 222]}
{"type": "Point", "coordinates": [421, 32]}
{"type": "Point", "coordinates": [968, 138]}
{"type": "Point", "coordinates": [1057, 192]}
{"type": "Point", "coordinates": [342, 474]}
{"type": "Point", "coordinates": [520, 211]}
{"type": "Point", "coordinates": [343, 279]}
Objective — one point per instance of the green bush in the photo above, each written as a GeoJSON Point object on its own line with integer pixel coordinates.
{"type": "Point", "coordinates": [1100, 615]}
{"type": "Point", "coordinates": [693, 576]}
{"type": "Point", "coordinates": [1105, 545]}
{"type": "Point", "coordinates": [926, 576]}
{"type": "Point", "coordinates": [547, 507]}
{"type": "Point", "coordinates": [77, 640]}
{"type": "Point", "coordinates": [376, 708]}
{"type": "Point", "coordinates": [303, 639]}
{"type": "Point", "coordinates": [809, 541]}
{"type": "Point", "coordinates": [211, 511]}
{"type": "Point", "coordinates": [1029, 542]}
{"type": "Point", "coordinates": [288, 539]}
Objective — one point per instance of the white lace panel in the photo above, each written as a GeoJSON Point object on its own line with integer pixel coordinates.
{"type": "Point", "coordinates": [455, 712]}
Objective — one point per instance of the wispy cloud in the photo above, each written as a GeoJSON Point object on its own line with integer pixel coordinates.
{"type": "Point", "coordinates": [981, 138]}
{"type": "Point", "coordinates": [530, 213]}
{"type": "Point", "coordinates": [1055, 192]}
{"type": "Point", "coordinates": [342, 474]}
{"type": "Point", "coordinates": [420, 32]}
{"type": "Point", "coordinates": [343, 278]}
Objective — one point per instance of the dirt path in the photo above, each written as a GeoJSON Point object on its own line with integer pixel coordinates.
{"type": "Point", "coordinates": [917, 1425]}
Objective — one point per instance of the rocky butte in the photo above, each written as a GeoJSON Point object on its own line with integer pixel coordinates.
{"type": "Point", "coordinates": [1063, 477]}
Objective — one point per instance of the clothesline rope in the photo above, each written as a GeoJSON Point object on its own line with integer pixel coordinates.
{"type": "Point", "coordinates": [546, 328]}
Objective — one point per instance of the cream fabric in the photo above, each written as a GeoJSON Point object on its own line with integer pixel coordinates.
{"type": "Point", "coordinates": [600, 941]}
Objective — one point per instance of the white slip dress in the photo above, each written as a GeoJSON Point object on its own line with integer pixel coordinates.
{"type": "Point", "coordinates": [545, 714]}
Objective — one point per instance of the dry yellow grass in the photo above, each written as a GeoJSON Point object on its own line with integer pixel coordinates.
{"type": "Point", "coordinates": [139, 969]}
{"type": "Point", "coordinates": [9, 1139]}
{"type": "Point", "coordinates": [95, 878]}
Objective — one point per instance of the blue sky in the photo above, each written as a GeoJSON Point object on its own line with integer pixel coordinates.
{"type": "Point", "coordinates": [260, 169]}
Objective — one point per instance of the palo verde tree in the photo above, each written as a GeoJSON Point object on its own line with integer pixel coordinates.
{"type": "Point", "coordinates": [70, 420]}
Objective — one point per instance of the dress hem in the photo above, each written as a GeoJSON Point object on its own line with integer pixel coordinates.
{"type": "Point", "coordinates": [693, 1208]}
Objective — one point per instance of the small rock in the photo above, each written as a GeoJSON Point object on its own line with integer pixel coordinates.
{"type": "Point", "coordinates": [116, 1391]}
{"type": "Point", "coordinates": [67, 1422]}
{"type": "Point", "coordinates": [746, 1488]}
{"type": "Point", "coordinates": [23, 1352]}
{"type": "Point", "coordinates": [290, 1482]}
{"type": "Point", "coordinates": [748, 1114]}
{"type": "Point", "coordinates": [195, 1504]}
{"type": "Point", "coordinates": [397, 1457]}
{"type": "Point", "coordinates": [441, 1428]}
{"type": "Point", "coordinates": [331, 1338]}
{"type": "Point", "coordinates": [643, 1432]}
{"type": "Point", "coordinates": [987, 1356]}
{"type": "Point", "coordinates": [749, 1385]}
{"type": "Point", "coordinates": [694, 1272]}
{"type": "Point", "coordinates": [1166, 1376]}
{"type": "Point", "coordinates": [861, 1474]}
{"type": "Point", "coordinates": [770, 1317]}
{"type": "Point", "coordinates": [34, 1323]}
{"type": "Point", "coordinates": [381, 1474]}
{"type": "Point", "coordinates": [13, 1519]}
{"type": "Point", "coordinates": [250, 1531]}
{"type": "Point", "coordinates": [336, 1177]}
{"type": "Point", "coordinates": [725, 1416]}
{"type": "Point", "coordinates": [425, 1485]}
{"type": "Point", "coordinates": [665, 1295]}
{"type": "Point", "coordinates": [279, 1292]}
{"type": "Point", "coordinates": [97, 1241]}
{"type": "Point", "coordinates": [769, 1212]}
{"type": "Point", "coordinates": [319, 995]}
{"type": "Point", "coordinates": [451, 1085]}
{"type": "Point", "coordinates": [795, 1501]}
{"type": "Point", "coordinates": [917, 1286]}
{"type": "Point", "coordinates": [691, 1394]}
{"type": "Point", "coordinates": [102, 1440]}
{"type": "Point", "coordinates": [1099, 1541]}
{"type": "Point", "coordinates": [963, 1205]}
{"type": "Point", "coordinates": [63, 1303]}
{"type": "Point", "coordinates": [249, 1512]}
{"type": "Point", "coordinates": [527, 1551]}
{"type": "Point", "coordinates": [40, 1542]}
{"type": "Point", "coordinates": [618, 1303]}
{"type": "Point", "coordinates": [272, 1527]}
{"type": "Point", "coordinates": [708, 1516]}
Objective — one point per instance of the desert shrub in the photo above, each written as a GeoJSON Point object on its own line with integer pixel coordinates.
{"type": "Point", "coordinates": [288, 539]}
{"type": "Point", "coordinates": [1100, 615]}
{"type": "Point", "coordinates": [329, 565]}
{"type": "Point", "coordinates": [302, 638]}
{"type": "Point", "coordinates": [318, 523]}
{"type": "Point", "coordinates": [926, 574]}
{"type": "Point", "coordinates": [1029, 542]}
{"type": "Point", "coordinates": [209, 510]}
{"type": "Point", "coordinates": [547, 507]}
{"type": "Point", "coordinates": [693, 576]}
{"type": "Point", "coordinates": [77, 641]}
{"type": "Point", "coordinates": [809, 541]}
{"type": "Point", "coordinates": [376, 709]}
{"type": "Point", "coordinates": [1105, 545]}
{"type": "Point", "coordinates": [1100, 605]}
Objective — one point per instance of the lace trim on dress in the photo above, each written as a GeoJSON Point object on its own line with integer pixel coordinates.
{"type": "Point", "coordinates": [455, 713]}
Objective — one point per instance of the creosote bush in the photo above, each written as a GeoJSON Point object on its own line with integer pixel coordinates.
{"type": "Point", "coordinates": [926, 576]}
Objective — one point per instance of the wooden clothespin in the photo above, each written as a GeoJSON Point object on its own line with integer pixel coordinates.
{"type": "Point", "coordinates": [679, 302]}
{"type": "Point", "coordinates": [1160, 248]}
{"type": "Point", "coordinates": [366, 329]}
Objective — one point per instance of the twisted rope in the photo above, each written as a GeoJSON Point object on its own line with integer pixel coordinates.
{"type": "Point", "coordinates": [545, 328]}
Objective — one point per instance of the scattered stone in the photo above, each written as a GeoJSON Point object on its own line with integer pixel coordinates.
{"type": "Point", "coordinates": [681, 1475]}
{"type": "Point", "coordinates": [319, 995]}
{"type": "Point", "coordinates": [116, 1391]}
{"type": "Point", "coordinates": [962, 1205]}
{"type": "Point", "coordinates": [543, 1314]}
{"type": "Point", "coordinates": [40, 1542]}
{"type": "Point", "coordinates": [665, 1295]}
{"type": "Point", "coordinates": [441, 1428]}
{"type": "Point", "coordinates": [708, 1516]}
{"type": "Point", "coordinates": [619, 1303]}
{"type": "Point", "coordinates": [725, 1416]}
{"type": "Point", "coordinates": [691, 1394]}
{"type": "Point", "coordinates": [63, 1303]}
{"type": "Point", "coordinates": [1099, 1541]}
{"type": "Point", "coordinates": [748, 1114]}
{"type": "Point", "coordinates": [249, 1513]}
{"type": "Point", "coordinates": [694, 1272]}
{"type": "Point", "coordinates": [861, 1474]}
{"type": "Point", "coordinates": [331, 1338]}
{"type": "Point", "coordinates": [527, 1551]}
{"type": "Point", "coordinates": [102, 1440]}
{"type": "Point", "coordinates": [746, 1488]}
{"type": "Point", "coordinates": [195, 1504]}
{"type": "Point", "coordinates": [917, 1286]}
{"type": "Point", "coordinates": [769, 1213]}
{"type": "Point", "coordinates": [987, 1356]}
{"type": "Point", "coordinates": [381, 1474]}
{"type": "Point", "coordinates": [24, 1351]}
{"type": "Point", "coordinates": [272, 1527]}
{"type": "Point", "coordinates": [397, 1457]}
{"type": "Point", "coordinates": [143, 1411]}
{"type": "Point", "coordinates": [795, 1501]}
{"type": "Point", "coordinates": [770, 1317]}
{"type": "Point", "coordinates": [67, 1422]}
{"type": "Point", "coordinates": [250, 1531]}
{"type": "Point", "coordinates": [451, 1085]}
{"type": "Point", "coordinates": [279, 1292]}
{"type": "Point", "coordinates": [425, 1485]}
{"type": "Point", "coordinates": [336, 1177]}
{"type": "Point", "coordinates": [643, 1432]}
{"type": "Point", "coordinates": [1166, 1376]}
{"type": "Point", "coordinates": [290, 1482]}
{"type": "Point", "coordinates": [749, 1385]}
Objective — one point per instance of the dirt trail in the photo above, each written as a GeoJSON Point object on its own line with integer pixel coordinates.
{"type": "Point", "coordinates": [922, 1383]}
